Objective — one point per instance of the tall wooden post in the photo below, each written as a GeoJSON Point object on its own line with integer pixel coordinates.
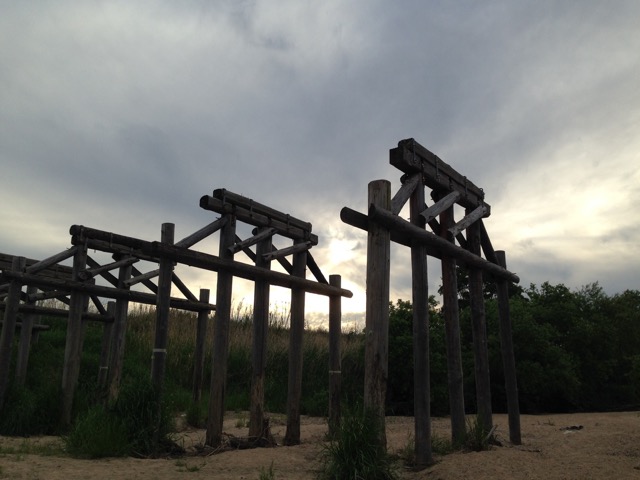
{"type": "Point", "coordinates": [296, 334]}
{"type": "Point", "coordinates": [479, 328]}
{"type": "Point", "coordinates": [119, 335]}
{"type": "Point", "coordinates": [198, 356]}
{"type": "Point", "coordinates": [420, 300]}
{"type": "Point", "coordinates": [25, 340]}
{"type": "Point", "coordinates": [105, 351]}
{"type": "Point", "coordinates": [377, 308]}
{"type": "Point", "coordinates": [18, 265]}
{"type": "Point", "coordinates": [159, 355]}
{"type": "Point", "coordinates": [508, 356]}
{"type": "Point", "coordinates": [259, 352]}
{"type": "Point", "coordinates": [220, 353]}
{"type": "Point", "coordinates": [452, 332]}
{"type": "Point", "coordinates": [335, 358]}
{"type": "Point", "coordinates": [73, 347]}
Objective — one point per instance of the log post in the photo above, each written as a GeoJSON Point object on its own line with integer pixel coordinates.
{"type": "Point", "coordinates": [73, 347]}
{"type": "Point", "coordinates": [259, 349]}
{"type": "Point", "coordinates": [159, 355]}
{"type": "Point", "coordinates": [335, 357]}
{"type": "Point", "coordinates": [198, 356]}
{"type": "Point", "coordinates": [296, 334]}
{"type": "Point", "coordinates": [119, 334]}
{"type": "Point", "coordinates": [28, 321]}
{"type": "Point", "coordinates": [221, 337]}
{"type": "Point", "coordinates": [105, 351]}
{"type": "Point", "coordinates": [452, 333]}
{"type": "Point", "coordinates": [479, 328]}
{"type": "Point", "coordinates": [18, 265]}
{"type": "Point", "coordinates": [420, 300]}
{"type": "Point", "coordinates": [508, 356]}
{"type": "Point", "coordinates": [377, 308]}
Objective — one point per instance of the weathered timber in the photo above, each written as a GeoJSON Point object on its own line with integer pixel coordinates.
{"type": "Point", "coordinates": [508, 356]}
{"type": "Point", "coordinates": [283, 252]}
{"type": "Point", "coordinates": [108, 276]}
{"type": "Point", "coordinates": [119, 335]}
{"type": "Point", "coordinates": [108, 292]}
{"type": "Point", "coordinates": [93, 272]}
{"type": "Point", "coordinates": [487, 247]}
{"type": "Point", "coordinates": [259, 346]}
{"type": "Point", "coordinates": [479, 329]}
{"type": "Point", "coordinates": [183, 288]}
{"type": "Point", "coordinates": [257, 208]}
{"type": "Point", "coordinates": [159, 354]}
{"type": "Point", "coordinates": [81, 233]}
{"type": "Point", "coordinates": [141, 278]}
{"type": "Point", "coordinates": [199, 352]}
{"type": "Point", "coordinates": [315, 269]}
{"type": "Point", "coordinates": [97, 303]}
{"type": "Point", "coordinates": [455, 374]}
{"type": "Point", "coordinates": [49, 293]}
{"type": "Point", "coordinates": [18, 264]}
{"type": "Point", "coordinates": [335, 362]}
{"type": "Point", "coordinates": [252, 217]}
{"type": "Point", "coordinates": [377, 308]}
{"type": "Point", "coordinates": [74, 338]}
{"type": "Point", "coordinates": [411, 157]}
{"type": "Point", "coordinates": [470, 218]}
{"type": "Point", "coordinates": [440, 206]}
{"type": "Point", "coordinates": [22, 360]}
{"type": "Point", "coordinates": [420, 300]}
{"type": "Point", "coordinates": [220, 353]}
{"type": "Point", "coordinates": [296, 338]}
{"type": "Point", "coordinates": [105, 350]}
{"type": "Point", "coordinates": [402, 227]}
{"type": "Point", "coordinates": [57, 312]}
{"type": "Point", "coordinates": [47, 267]}
{"type": "Point", "coordinates": [243, 270]}
{"type": "Point", "coordinates": [258, 237]}
{"type": "Point", "coordinates": [409, 184]}
{"type": "Point", "coordinates": [201, 234]}
{"type": "Point", "coordinates": [145, 281]}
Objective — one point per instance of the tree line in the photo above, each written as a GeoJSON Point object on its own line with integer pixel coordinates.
{"type": "Point", "coordinates": [576, 350]}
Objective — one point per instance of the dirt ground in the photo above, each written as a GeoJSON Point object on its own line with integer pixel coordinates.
{"type": "Point", "coordinates": [606, 447]}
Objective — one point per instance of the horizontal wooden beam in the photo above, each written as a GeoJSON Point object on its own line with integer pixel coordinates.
{"type": "Point", "coordinates": [252, 217]}
{"type": "Point", "coordinates": [106, 292]}
{"type": "Point", "coordinates": [411, 157]}
{"type": "Point", "coordinates": [60, 312]}
{"type": "Point", "coordinates": [283, 252]}
{"type": "Point", "coordinates": [417, 234]}
{"type": "Point", "coordinates": [243, 270]}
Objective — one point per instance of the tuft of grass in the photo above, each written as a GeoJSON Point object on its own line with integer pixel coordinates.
{"type": "Point", "coordinates": [97, 433]}
{"type": "Point", "coordinates": [267, 474]}
{"type": "Point", "coordinates": [356, 453]}
{"type": "Point", "coordinates": [441, 445]}
{"type": "Point", "coordinates": [478, 437]}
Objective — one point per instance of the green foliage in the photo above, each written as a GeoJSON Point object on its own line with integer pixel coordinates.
{"type": "Point", "coordinates": [267, 474]}
{"type": "Point", "coordinates": [477, 437]}
{"type": "Point", "coordinates": [97, 433]}
{"type": "Point", "coordinates": [356, 452]}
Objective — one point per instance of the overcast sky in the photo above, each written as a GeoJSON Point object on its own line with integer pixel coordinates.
{"type": "Point", "coordinates": [121, 115]}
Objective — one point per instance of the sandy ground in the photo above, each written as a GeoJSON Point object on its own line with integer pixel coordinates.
{"type": "Point", "coordinates": [606, 447]}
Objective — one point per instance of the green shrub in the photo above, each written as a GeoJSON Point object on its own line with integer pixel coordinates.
{"type": "Point", "coordinates": [98, 433]}
{"type": "Point", "coordinates": [356, 452]}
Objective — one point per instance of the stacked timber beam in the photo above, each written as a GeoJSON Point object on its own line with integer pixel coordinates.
{"type": "Point", "coordinates": [421, 168]}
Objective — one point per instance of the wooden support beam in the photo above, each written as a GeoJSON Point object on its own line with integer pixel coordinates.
{"type": "Point", "coordinates": [508, 355]}
{"type": "Point", "coordinates": [409, 184]}
{"type": "Point", "coordinates": [296, 357]}
{"type": "Point", "coordinates": [105, 351]}
{"type": "Point", "coordinates": [261, 235]}
{"type": "Point", "coordinates": [142, 278]}
{"type": "Point", "coordinates": [377, 308]}
{"type": "Point", "coordinates": [487, 248]}
{"type": "Point", "coordinates": [335, 358]}
{"type": "Point", "coordinates": [440, 206]}
{"type": "Point", "coordinates": [146, 281]}
{"type": "Point", "coordinates": [100, 269]}
{"type": "Point", "coordinates": [51, 261]}
{"type": "Point", "coordinates": [315, 269]}
{"type": "Point", "coordinates": [220, 353]}
{"type": "Point", "coordinates": [292, 229]}
{"type": "Point", "coordinates": [259, 346]}
{"type": "Point", "coordinates": [455, 375]}
{"type": "Point", "coordinates": [411, 232]}
{"type": "Point", "coordinates": [283, 252]}
{"type": "Point", "coordinates": [420, 301]}
{"type": "Point", "coordinates": [57, 312]}
{"type": "Point", "coordinates": [411, 157]}
{"type": "Point", "coordinates": [183, 288]}
{"type": "Point", "coordinates": [199, 352]}
{"type": "Point", "coordinates": [22, 359]}
{"type": "Point", "coordinates": [12, 304]}
{"type": "Point", "coordinates": [468, 220]}
{"type": "Point", "coordinates": [202, 233]}
{"type": "Point", "coordinates": [119, 335]}
{"type": "Point", "coordinates": [108, 276]}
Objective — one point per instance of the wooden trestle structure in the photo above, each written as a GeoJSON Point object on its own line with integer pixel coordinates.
{"type": "Point", "coordinates": [75, 286]}
{"type": "Point", "coordinates": [421, 168]}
